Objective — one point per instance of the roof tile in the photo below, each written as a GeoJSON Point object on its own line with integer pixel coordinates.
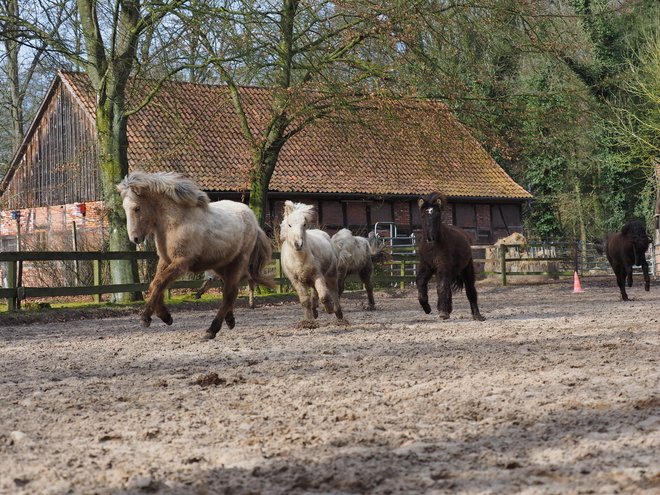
{"type": "Point", "coordinates": [399, 146]}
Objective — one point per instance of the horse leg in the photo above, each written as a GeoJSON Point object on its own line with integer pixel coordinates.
{"type": "Point", "coordinates": [365, 277]}
{"type": "Point", "coordinates": [341, 281]}
{"type": "Point", "coordinates": [629, 273]}
{"type": "Point", "coordinates": [209, 278]}
{"type": "Point", "coordinates": [329, 294]}
{"type": "Point", "coordinates": [620, 273]}
{"type": "Point", "coordinates": [166, 274]}
{"type": "Point", "coordinates": [226, 311]}
{"type": "Point", "coordinates": [251, 285]}
{"type": "Point", "coordinates": [314, 301]}
{"type": "Point", "coordinates": [424, 274]}
{"type": "Point", "coordinates": [647, 279]}
{"type": "Point", "coordinates": [306, 301]}
{"type": "Point", "coordinates": [471, 291]}
{"type": "Point", "coordinates": [324, 294]}
{"type": "Point", "coordinates": [444, 295]}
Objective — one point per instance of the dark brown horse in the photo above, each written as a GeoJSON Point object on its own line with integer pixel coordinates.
{"type": "Point", "coordinates": [626, 249]}
{"type": "Point", "coordinates": [446, 252]}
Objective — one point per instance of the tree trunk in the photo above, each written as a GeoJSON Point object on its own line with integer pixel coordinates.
{"type": "Point", "coordinates": [13, 73]}
{"type": "Point", "coordinates": [113, 162]}
{"type": "Point", "coordinates": [262, 173]}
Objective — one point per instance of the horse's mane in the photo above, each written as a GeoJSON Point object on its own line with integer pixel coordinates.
{"type": "Point", "coordinates": [634, 228]}
{"type": "Point", "coordinates": [637, 232]}
{"type": "Point", "coordinates": [307, 210]}
{"type": "Point", "coordinates": [178, 188]}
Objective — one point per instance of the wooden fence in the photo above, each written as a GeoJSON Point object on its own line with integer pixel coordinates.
{"type": "Point", "coordinates": [396, 273]}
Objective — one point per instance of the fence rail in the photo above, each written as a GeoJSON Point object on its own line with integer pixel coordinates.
{"type": "Point", "coordinates": [556, 259]}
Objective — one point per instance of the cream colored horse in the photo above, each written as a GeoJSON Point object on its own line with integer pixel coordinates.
{"type": "Point", "coordinates": [309, 261]}
{"type": "Point", "coordinates": [192, 235]}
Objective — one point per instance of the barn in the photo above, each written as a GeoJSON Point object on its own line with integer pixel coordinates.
{"type": "Point", "coordinates": [363, 170]}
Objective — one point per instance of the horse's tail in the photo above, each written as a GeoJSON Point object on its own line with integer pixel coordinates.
{"type": "Point", "coordinates": [259, 259]}
{"type": "Point", "coordinates": [599, 246]}
{"type": "Point", "coordinates": [379, 252]}
{"type": "Point", "coordinates": [457, 284]}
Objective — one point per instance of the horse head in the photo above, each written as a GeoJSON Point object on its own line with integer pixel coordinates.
{"type": "Point", "coordinates": [140, 213]}
{"type": "Point", "coordinates": [430, 207]}
{"type": "Point", "coordinates": [145, 195]}
{"type": "Point", "coordinates": [297, 219]}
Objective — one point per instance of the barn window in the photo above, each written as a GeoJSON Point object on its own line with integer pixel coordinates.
{"type": "Point", "coordinates": [40, 240]}
{"type": "Point", "coordinates": [465, 215]}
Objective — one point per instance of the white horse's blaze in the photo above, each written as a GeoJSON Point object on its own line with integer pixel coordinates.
{"type": "Point", "coordinates": [135, 231]}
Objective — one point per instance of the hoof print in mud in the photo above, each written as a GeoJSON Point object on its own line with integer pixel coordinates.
{"type": "Point", "coordinates": [307, 324]}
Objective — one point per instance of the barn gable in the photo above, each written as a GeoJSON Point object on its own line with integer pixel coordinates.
{"type": "Point", "coordinates": [57, 163]}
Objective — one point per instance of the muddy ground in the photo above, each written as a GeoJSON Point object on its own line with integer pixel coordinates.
{"type": "Point", "coordinates": [555, 393]}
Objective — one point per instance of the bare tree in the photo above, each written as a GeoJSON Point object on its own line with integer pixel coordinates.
{"type": "Point", "coordinates": [23, 60]}
{"type": "Point", "coordinates": [308, 53]}
{"type": "Point", "coordinates": [112, 32]}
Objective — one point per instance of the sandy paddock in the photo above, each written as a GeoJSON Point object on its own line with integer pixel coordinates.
{"type": "Point", "coordinates": [555, 393]}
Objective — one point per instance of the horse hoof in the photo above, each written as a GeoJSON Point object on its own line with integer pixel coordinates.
{"type": "Point", "coordinates": [168, 321]}
{"type": "Point", "coordinates": [443, 315]}
{"type": "Point", "coordinates": [145, 322]}
{"type": "Point", "coordinates": [426, 308]}
{"type": "Point", "coordinates": [208, 335]}
{"type": "Point", "coordinates": [231, 322]}
{"type": "Point", "coordinates": [342, 322]}
{"type": "Point", "coordinates": [478, 318]}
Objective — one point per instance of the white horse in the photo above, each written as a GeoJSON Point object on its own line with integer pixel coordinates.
{"type": "Point", "coordinates": [192, 235]}
{"type": "Point", "coordinates": [309, 261]}
{"type": "Point", "coordinates": [358, 255]}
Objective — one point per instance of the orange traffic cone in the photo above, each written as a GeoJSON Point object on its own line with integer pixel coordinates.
{"type": "Point", "coordinates": [576, 283]}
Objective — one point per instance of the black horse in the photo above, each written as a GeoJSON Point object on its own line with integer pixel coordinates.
{"type": "Point", "coordinates": [446, 252]}
{"type": "Point", "coordinates": [626, 249]}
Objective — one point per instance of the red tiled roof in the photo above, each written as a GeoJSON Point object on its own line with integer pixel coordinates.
{"type": "Point", "coordinates": [400, 147]}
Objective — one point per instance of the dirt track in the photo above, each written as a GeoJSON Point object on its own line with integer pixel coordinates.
{"type": "Point", "coordinates": [555, 392]}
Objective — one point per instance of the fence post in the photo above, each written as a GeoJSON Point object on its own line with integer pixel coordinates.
{"type": "Point", "coordinates": [97, 279]}
{"type": "Point", "coordinates": [12, 302]}
{"type": "Point", "coordinates": [402, 272]}
{"type": "Point", "coordinates": [503, 263]}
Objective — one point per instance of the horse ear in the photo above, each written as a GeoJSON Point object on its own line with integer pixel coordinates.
{"type": "Point", "coordinates": [439, 201]}
{"type": "Point", "coordinates": [288, 207]}
{"type": "Point", "coordinates": [420, 203]}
